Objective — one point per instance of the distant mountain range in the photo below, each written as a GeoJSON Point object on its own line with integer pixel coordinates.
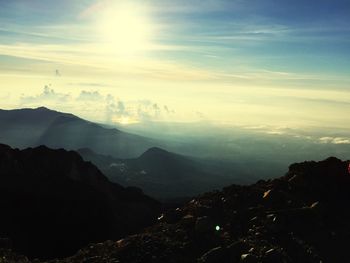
{"type": "Point", "coordinates": [33, 127]}
{"type": "Point", "coordinates": [160, 173]}
{"type": "Point", "coordinates": [52, 203]}
{"type": "Point", "coordinates": [127, 159]}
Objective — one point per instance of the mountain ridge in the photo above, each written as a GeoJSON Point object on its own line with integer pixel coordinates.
{"type": "Point", "coordinates": [23, 128]}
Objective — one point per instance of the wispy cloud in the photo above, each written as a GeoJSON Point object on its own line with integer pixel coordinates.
{"type": "Point", "coordinates": [93, 56]}
{"type": "Point", "coordinates": [89, 96]}
{"type": "Point", "coordinates": [88, 84]}
{"type": "Point", "coordinates": [335, 140]}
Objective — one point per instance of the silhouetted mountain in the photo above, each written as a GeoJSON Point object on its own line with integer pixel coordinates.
{"type": "Point", "coordinates": [161, 174]}
{"type": "Point", "coordinates": [300, 217]}
{"type": "Point", "coordinates": [158, 161]}
{"type": "Point", "coordinates": [33, 127]}
{"type": "Point", "coordinates": [52, 203]}
{"type": "Point", "coordinates": [23, 127]}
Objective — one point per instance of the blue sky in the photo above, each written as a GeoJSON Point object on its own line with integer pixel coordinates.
{"type": "Point", "coordinates": [265, 61]}
{"type": "Point", "coordinates": [312, 35]}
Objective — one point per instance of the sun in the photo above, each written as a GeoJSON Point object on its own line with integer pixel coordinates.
{"type": "Point", "coordinates": [124, 28]}
{"type": "Point", "coordinates": [125, 120]}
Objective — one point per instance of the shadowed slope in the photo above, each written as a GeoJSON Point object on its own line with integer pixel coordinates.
{"type": "Point", "coordinates": [52, 202]}
{"type": "Point", "coordinates": [161, 174]}
{"type": "Point", "coordinates": [300, 217]}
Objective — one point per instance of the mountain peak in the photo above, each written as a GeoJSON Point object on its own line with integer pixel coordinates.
{"type": "Point", "coordinates": [156, 150]}
{"type": "Point", "coordinates": [42, 108]}
{"type": "Point", "coordinates": [156, 153]}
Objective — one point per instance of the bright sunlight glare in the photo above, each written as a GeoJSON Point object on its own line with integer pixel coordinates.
{"type": "Point", "coordinates": [125, 120]}
{"type": "Point", "coordinates": [125, 28]}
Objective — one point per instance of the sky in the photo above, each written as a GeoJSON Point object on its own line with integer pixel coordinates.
{"type": "Point", "coordinates": [231, 62]}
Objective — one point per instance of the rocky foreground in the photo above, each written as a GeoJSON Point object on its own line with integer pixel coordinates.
{"type": "Point", "coordinates": [303, 217]}
{"type": "Point", "coordinates": [52, 203]}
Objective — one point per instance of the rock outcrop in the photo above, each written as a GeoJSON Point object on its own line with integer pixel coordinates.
{"type": "Point", "coordinates": [52, 203]}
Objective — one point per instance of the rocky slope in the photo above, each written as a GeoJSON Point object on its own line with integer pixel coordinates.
{"type": "Point", "coordinates": [300, 217]}
{"type": "Point", "coordinates": [52, 203]}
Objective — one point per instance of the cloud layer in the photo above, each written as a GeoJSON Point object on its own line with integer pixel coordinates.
{"type": "Point", "coordinates": [111, 109]}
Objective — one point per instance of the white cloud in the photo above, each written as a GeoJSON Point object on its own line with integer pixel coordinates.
{"type": "Point", "coordinates": [89, 96]}
{"type": "Point", "coordinates": [335, 140]}
{"type": "Point", "coordinates": [48, 95]}
{"type": "Point", "coordinates": [97, 106]}
{"type": "Point", "coordinates": [126, 112]}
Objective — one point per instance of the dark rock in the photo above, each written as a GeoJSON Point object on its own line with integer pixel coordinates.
{"type": "Point", "coordinates": [273, 256]}
{"type": "Point", "coordinates": [53, 203]}
{"type": "Point", "coordinates": [276, 224]}
{"type": "Point", "coordinates": [5, 243]}
{"type": "Point", "coordinates": [248, 258]}
{"type": "Point", "coordinates": [214, 255]}
{"type": "Point", "coordinates": [297, 181]}
{"type": "Point", "coordinates": [188, 220]}
{"type": "Point", "coordinates": [8, 256]}
{"type": "Point", "coordinates": [236, 249]}
{"type": "Point", "coordinates": [204, 225]}
{"type": "Point", "coordinates": [172, 216]}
